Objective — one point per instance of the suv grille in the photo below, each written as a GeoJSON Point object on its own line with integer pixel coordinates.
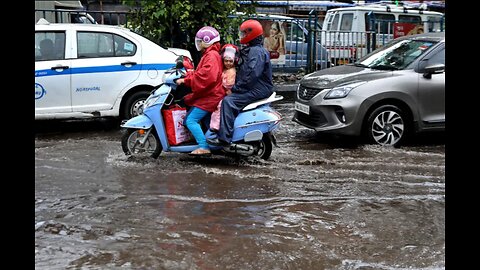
{"type": "Point", "coordinates": [307, 93]}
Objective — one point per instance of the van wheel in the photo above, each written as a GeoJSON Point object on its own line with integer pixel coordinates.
{"type": "Point", "coordinates": [134, 105]}
{"type": "Point", "coordinates": [387, 125]}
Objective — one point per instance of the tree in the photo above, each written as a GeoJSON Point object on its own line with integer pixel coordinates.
{"type": "Point", "coordinates": [174, 23]}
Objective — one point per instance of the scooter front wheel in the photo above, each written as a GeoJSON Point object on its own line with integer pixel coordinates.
{"type": "Point", "coordinates": [132, 143]}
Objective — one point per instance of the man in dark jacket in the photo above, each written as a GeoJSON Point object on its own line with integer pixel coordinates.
{"type": "Point", "coordinates": [253, 81]}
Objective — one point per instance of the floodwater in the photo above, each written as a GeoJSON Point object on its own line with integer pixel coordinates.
{"type": "Point", "coordinates": [317, 203]}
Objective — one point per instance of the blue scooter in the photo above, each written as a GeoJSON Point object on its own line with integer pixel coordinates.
{"type": "Point", "coordinates": [145, 134]}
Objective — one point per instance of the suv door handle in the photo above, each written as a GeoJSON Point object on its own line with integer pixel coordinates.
{"type": "Point", "coordinates": [59, 67]}
{"type": "Point", "coordinates": [128, 63]}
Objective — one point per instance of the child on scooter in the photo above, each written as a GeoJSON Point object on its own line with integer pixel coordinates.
{"type": "Point", "coordinates": [229, 57]}
{"type": "Point", "coordinates": [206, 85]}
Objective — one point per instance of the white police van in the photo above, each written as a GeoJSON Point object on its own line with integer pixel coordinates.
{"type": "Point", "coordinates": [345, 31]}
{"type": "Point", "coordinates": [91, 70]}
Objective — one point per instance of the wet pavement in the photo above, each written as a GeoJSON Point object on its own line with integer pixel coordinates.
{"type": "Point", "coordinates": [317, 203]}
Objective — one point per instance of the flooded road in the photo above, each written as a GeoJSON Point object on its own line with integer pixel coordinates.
{"type": "Point", "coordinates": [317, 203]}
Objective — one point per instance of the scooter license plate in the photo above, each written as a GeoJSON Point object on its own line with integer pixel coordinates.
{"type": "Point", "coordinates": [302, 108]}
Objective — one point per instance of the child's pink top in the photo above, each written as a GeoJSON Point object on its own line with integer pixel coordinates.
{"type": "Point", "coordinates": [228, 78]}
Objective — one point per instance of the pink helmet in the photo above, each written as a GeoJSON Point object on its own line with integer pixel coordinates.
{"type": "Point", "coordinates": [230, 51]}
{"type": "Point", "coordinates": [208, 35]}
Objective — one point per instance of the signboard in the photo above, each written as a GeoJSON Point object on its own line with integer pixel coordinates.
{"type": "Point", "coordinates": [274, 32]}
{"type": "Point", "coordinates": [405, 29]}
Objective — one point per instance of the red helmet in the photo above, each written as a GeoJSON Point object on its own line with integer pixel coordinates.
{"type": "Point", "coordinates": [249, 30]}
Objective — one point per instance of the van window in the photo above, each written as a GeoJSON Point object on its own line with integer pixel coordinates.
{"type": "Point", "coordinates": [90, 45]}
{"type": "Point", "coordinates": [294, 32]}
{"type": "Point", "coordinates": [123, 46]}
{"type": "Point", "coordinates": [334, 25]}
{"type": "Point", "coordinates": [434, 23]}
{"type": "Point", "coordinates": [94, 44]}
{"type": "Point", "coordinates": [347, 21]}
{"type": "Point", "coordinates": [49, 46]}
{"type": "Point", "coordinates": [414, 21]}
{"type": "Point", "coordinates": [383, 23]}
{"type": "Point", "coordinates": [410, 19]}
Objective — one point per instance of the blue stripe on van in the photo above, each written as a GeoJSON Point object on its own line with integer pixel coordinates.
{"type": "Point", "coordinates": [101, 69]}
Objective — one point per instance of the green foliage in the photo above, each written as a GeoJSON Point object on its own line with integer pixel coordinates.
{"type": "Point", "coordinates": [174, 23]}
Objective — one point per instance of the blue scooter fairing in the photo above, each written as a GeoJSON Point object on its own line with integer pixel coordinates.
{"type": "Point", "coordinates": [139, 121]}
{"type": "Point", "coordinates": [263, 119]}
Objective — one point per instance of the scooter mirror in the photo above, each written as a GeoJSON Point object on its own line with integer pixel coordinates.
{"type": "Point", "coordinates": [179, 64]}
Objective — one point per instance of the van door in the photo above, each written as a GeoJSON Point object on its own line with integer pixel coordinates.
{"type": "Point", "coordinates": [339, 39]}
{"type": "Point", "coordinates": [52, 73]}
{"type": "Point", "coordinates": [113, 59]}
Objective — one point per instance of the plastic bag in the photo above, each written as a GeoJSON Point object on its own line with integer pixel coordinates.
{"type": "Point", "coordinates": [177, 133]}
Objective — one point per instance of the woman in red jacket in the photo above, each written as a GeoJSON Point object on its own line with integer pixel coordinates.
{"type": "Point", "coordinates": [206, 85]}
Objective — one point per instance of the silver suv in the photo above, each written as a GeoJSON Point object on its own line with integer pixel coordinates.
{"type": "Point", "coordinates": [390, 93]}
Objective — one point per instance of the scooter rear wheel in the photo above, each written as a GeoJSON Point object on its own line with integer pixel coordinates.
{"type": "Point", "coordinates": [131, 146]}
{"type": "Point", "coordinates": [265, 148]}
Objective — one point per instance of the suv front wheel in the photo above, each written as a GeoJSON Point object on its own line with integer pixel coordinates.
{"type": "Point", "coordinates": [387, 126]}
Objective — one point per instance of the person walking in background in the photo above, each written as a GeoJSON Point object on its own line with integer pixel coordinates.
{"type": "Point", "coordinates": [253, 81]}
{"type": "Point", "coordinates": [229, 54]}
{"type": "Point", "coordinates": [206, 85]}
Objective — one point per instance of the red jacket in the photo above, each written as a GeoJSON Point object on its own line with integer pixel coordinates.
{"type": "Point", "coordinates": [206, 81]}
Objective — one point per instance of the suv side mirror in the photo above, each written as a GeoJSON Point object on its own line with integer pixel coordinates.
{"type": "Point", "coordinates": [433, 69]}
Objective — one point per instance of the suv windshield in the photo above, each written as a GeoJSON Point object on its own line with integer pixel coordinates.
{"type": "Point", "coordinates": [397, 55]}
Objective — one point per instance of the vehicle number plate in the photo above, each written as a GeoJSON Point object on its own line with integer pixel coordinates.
{"type": "Point", "coordinates": [302, 108]}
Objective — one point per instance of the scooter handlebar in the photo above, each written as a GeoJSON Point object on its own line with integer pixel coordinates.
{"type": "Point", "coordinates": [172, 77]}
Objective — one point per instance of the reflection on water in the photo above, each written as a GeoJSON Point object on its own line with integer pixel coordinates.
{"type": "Point", "coordinates": [313, 205]}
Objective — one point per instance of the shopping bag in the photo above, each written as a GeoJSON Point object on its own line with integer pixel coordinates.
{"type": "Point", "coordinates": [177, 133]}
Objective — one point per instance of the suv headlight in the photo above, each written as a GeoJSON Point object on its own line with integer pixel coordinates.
{"type": "Point", "coordinates": [342, 91]}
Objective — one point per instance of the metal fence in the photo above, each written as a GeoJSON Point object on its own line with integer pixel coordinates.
{"type": "Point", "coordinates": [296, 51]}
{"type": "Point", "coordinates": [305, 46]}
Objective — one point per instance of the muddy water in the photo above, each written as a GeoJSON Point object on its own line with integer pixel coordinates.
{"type": "Point", "coordinates": [316, 204]}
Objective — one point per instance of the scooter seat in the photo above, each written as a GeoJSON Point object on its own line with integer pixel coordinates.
{"type": "Point", "coordinates": [273, 97]}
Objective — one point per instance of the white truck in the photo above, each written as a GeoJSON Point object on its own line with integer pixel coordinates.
{"type": "Point", "coordinates": [347, 32]}
{"type": "Point", "coordinates": [62, 12]}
